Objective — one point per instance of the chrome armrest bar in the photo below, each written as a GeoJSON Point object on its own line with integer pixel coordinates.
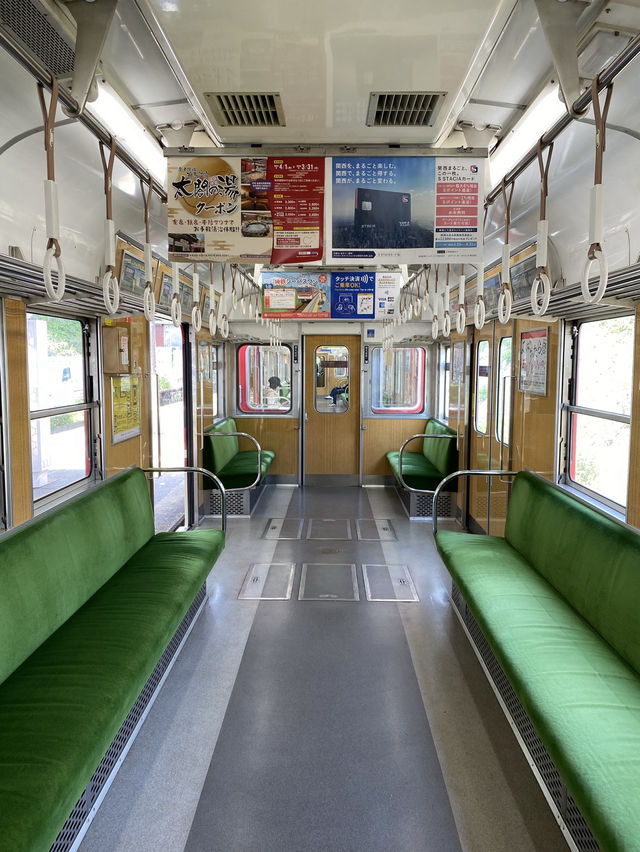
{"type": "Point", "coordinates": [204, 472]}
{"type": "Point", "coordinates": [447, 479]}
{"type": "Point", "coordinates": [251, 438]}
{"type": "Point", "coordinates": [404, 444]}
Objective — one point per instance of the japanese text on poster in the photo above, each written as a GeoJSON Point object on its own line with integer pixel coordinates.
{"type": "Point", "coordinates": [533, 361]}
{"type": "Point", "coordinates": [353, 295]}
{"type": "Point", "coordinates": [296, 295]}
{"type": "Point", "coordinates": [125, 408]}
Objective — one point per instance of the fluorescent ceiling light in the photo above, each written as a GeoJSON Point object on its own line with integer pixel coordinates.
{"type": "Point", "coordinates": [119, 120]}
{"type": "Point", "coordinates": [543, 113]}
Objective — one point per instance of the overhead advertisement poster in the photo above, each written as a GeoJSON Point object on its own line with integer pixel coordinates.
{"type": "Point", "coordinates": [404, 210]}
{"type": "Point", "coordinates": [388, 286]}
{"type": "Point", "coordinates": [253, 209]}
{"type": "Point", "coordinates": [296, 295]}
{"type": "Point", "coordinates": [353, 295]}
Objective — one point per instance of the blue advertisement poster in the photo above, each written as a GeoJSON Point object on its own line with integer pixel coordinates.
{"type": "Point", "coordinates": [353, 295]}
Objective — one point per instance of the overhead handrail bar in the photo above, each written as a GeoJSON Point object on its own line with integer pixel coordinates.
{"type": "Point", "coordinates": [45, 77]}
{"type": "Point", "coordinates": [606, 76]}
{"type": "Point", "coordinates": [52, 219]}
{"type": "Point", "coordinates": [109, 282]}
{"type": "Point", "coordinates": [542, 279]}
{"type": "Point", "coordinates": [596, 206]}
{"type": "Point", "coordinates": [454, 475]}
{"type": "Point", "coordinates": [148, 299]}
{"type": "Point", "coordinates": [204, 472]}
{"type": "Point", "coordinates": [505, 299]}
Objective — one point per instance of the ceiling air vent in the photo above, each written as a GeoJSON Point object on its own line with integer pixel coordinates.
{"type": "Point", "coordinates": [403, 109]}
{"type": "Point", "coordinates": [246, 109]}
{"type": "Point", "coordinates": [42, 31]}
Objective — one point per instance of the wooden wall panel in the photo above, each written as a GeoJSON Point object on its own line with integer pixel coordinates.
{"type": "Point", "coordinates": [633, 495]}
{"type": "Point", "coordinates": [19, 425]}
{"type": "Point", "coordinates": [382, 435]}
{"type": "Point", "coordinates": [279, 434]}
{"type": "Point", "coordinates": [534, 417]}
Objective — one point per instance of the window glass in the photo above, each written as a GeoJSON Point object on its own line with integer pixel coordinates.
{"type": "Point", "coordinates": [444, 384]}
{"type": "Point", "coordinates": [264, 379]}
{"type": "Point", "coordinates": [605, 365]}
{"type": "Point", "coordinates": [600, 456]}
{"type": "Point", "coordinates": [503, 391]}
{"type": "Point", "coordinates": [397, 380]}
{"type": "Point", "coordinates": [60, 443]}
{"type": "Point", "coordinates": [481, 414]}
{"type": "Point", "coordinates": [332, 379]}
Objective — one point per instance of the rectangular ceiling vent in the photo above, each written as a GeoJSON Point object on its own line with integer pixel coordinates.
{"type": "Point", "coordinates": [403, 109]}
{"type": "Point", "coordinates": [39, 28]}
{"type": "Point", "coordinates": [246, 109]}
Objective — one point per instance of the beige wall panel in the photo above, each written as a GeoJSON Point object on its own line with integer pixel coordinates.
{"type": "Point", "coordinates": [384, 434]}
{"type": "Point", "coordinates": [19, 426]}
{"type": "Point", "coordinates": [278, 434]}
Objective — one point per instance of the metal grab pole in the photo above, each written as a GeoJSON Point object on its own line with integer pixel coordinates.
{"type": "Point", "coordinates": [204, 472]}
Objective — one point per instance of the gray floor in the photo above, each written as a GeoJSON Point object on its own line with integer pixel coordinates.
{"type": "Point", "coordinates": [334, 725]}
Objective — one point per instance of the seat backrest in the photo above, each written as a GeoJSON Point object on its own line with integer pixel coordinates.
{"type": "Point", "coordinates": [219, 451]}
{"type": "Point", "coordinates": [51, 566]}
{"type": "Point", "coordinates": [592, 561]}
{"type": "Point", "coordinates": [442, 454]}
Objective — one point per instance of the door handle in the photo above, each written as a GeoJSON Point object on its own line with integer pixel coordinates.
{"type": "Point", "coordinates": [306, 417]}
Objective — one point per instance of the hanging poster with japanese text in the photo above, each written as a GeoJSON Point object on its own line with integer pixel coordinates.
{"type": "Point", "coordinates": [249, 209]}
{"type": "Point", "coordinates": [404, 209]}
{"type": "Point", "coordinates": [533, 361]}
{"type": "Point", "coordinates": [296, 295]}
{"type": "Point", "coordinates": [126, 420]}
{"type": "Point", "coordinates": [296, 197]}
{"type": "Point", "coordinates": [353, 295]}
{"type": "Point", "coordinates": [388, 285]}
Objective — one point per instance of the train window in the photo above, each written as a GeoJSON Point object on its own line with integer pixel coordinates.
{"type": "Point", "coordinates": [444, 381]}
{"type": "Point", "coordinates": [397, 380]}
{"type": "Point", "coordinates": [264, 379]}
{"type": "Point", "coordinates": [481, 408]}
{"type": "Point", "coordinates": [503, 391]}
{"type": "Point", "coordinates": [60, 419]}
{"type": "Point", "coordinates": [600, 410]}
{"type": "Point", "coordinates": [332, 379]}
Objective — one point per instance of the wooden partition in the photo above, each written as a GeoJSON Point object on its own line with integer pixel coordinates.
{"type": "Point", "coordinates": [280, 434]}
{"type": "Point", "coordinates": [384, 434]}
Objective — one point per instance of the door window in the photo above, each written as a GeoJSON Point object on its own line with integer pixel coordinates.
{"type": "Point", "coordinates": [331, 379]}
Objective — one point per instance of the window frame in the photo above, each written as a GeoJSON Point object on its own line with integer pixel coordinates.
{"type": "Point", "coordinates": [398, 412]}
{"type": "Point", "coordinates": [499, 435]}
{"type": "Point", "coordinates": [477, 376]}
{"type": "Point", "coordinates": [241, 387]}
{"type": "Point", "coordinates": [445, 353]}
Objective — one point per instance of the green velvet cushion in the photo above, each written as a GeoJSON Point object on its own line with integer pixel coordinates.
{"type": "Point", "coordinates": [582, 698]}
{"type": "Point", "coordinates": [241, 471]}
{"type": "Point", "coordinates": [219, 451]}
{"type": "Point", "coordinates": [443, 454]}
{"type": "Point", "coordinates": [49, 567]}
{"type": "Point", "coordinates": [417, 471]}
{"type": "Point", "coordinates": [590, 559]}
{"type": "Point", "coordinates": [61, 709]}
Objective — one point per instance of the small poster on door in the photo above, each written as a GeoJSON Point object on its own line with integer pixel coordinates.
{"type": "Point", "coordinates": [533, 361]}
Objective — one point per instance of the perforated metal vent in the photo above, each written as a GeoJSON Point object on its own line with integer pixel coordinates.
{"type": "Point", "coordinates": [403, 109]}
{"type": "Point", "coordinates": [36, 28]}
{"type": "Point", "coordinates": [245, 109]}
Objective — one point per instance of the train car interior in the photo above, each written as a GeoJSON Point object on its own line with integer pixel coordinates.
{"type": "Point", "coordinates": [319, 426]}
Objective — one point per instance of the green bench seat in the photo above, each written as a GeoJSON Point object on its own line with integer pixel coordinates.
{"type": "Point", "coordinates": [423, 471]}
{"type": "Point", "coordinates": [90, 598]}
{"type": "Point", "coordinates": [235, 468]}
{"type": "Point", "coordinates": [557, 600]}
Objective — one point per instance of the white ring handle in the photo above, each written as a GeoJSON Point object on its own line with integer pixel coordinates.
{"type": "Point", "coordinates": [434, 327]}
{"type": "Point", "coordinates": [540, 281]}
{"type": "Point", "coordinates": [110, 285]}
{"type": "Point", "coordinates": [224, 326]}
{"type": "Point", "coordinates": [176, 310]}
{"type": "Point", "coordinates": [196, 317]}
{"type": "Point", "coordinates": [55, 293]}
{"type": "Point", "coordinates": [149, 303]}
{"type": "Point", "coordinates": [601, 258]}
{"type": "Point", "coordinates": [446, 330]}
{"type": "Point", "coordinates": [461, 319]}
{"type": "Point", "coordinates": [479, 313]}
{"type": "Point", "coordinates": [505, 301]}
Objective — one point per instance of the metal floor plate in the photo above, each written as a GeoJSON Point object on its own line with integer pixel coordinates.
{"type": "Point", "coordinates": [284, 529]}
{"type": "Point", "coordinates": [388, 583]}
{"type": "Point", "coordinates": [268, 581]}
{"type": "Point", "coordinates": [375, 529]}
{"type": "Point", "coordinates": [324, 582]}
{"type": "Point", "coordinates": [329, 529]}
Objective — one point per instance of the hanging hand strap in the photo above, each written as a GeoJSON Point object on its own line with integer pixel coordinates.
{"type": "Point", "coordinates": [149, 301]}
{"type": "Point", "coordinates": [110, 288]}
{"type": "Point", "coordinates": [540, 301]}
{"type": "Point", "coordinates": [52, 219]}
{"type": "Point", "coordinates": [505, 300]}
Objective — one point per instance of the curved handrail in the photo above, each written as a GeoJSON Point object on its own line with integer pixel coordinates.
{"type": "Point", "coordinates": [454, 475]}
{"type": "Point", "coordinates": [204, 472]}
{"type": "Point", "coordinates": [251, 438]}
{"type": "Point", "coordinates": [404, 444]}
